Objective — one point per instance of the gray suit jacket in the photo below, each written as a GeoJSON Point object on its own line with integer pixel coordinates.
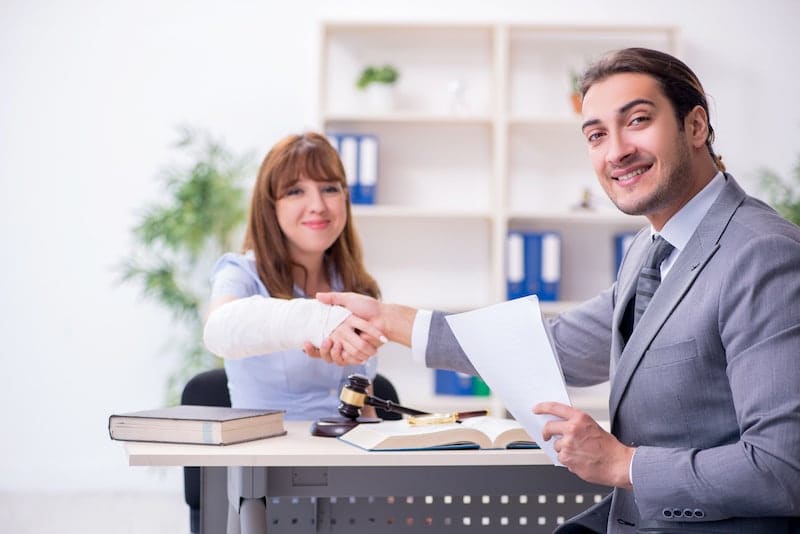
{"type": "Point", "coordinates": [708, 385]}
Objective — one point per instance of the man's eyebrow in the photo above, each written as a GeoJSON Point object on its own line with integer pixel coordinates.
{"type": "Point", "coordinates": [621, 111]}
{"type": "Point", "coordinates": [633, 103]}
{"type": "Point", "coordinates": [590, 122]}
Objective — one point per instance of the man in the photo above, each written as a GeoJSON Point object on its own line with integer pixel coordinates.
{"type": "Point", "coordinates": [700, 335]}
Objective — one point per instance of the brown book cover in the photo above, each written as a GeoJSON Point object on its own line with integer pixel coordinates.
{"type": "Point", "coordinates": [207, 425]}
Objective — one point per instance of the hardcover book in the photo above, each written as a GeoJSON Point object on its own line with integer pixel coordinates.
{"type": "Point", "coordinates": [208, 425]}
{"type": "Point", "coordinates": [484, 432]}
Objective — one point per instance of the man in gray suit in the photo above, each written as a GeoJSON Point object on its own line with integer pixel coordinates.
{"type": "Point", "coordinates": [700, 335]}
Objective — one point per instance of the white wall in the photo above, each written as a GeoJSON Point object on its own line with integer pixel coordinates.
{"type": "Point", "coordinates": [90, 92]}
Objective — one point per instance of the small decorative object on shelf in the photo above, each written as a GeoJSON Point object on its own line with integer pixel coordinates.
{"type": "Point", "coordinates": [575, 95]}
{"type": "Point", "coordinates": [586, 200]}
{"type": "Point", "coordinates": [378, 82]}
{"type": "Point", "coordinates": [457, 90]}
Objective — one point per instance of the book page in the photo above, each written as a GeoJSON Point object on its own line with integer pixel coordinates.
{"type": "Point", "coordinates": [508, 345]}
{"type": "Point", "coordinates": [495, 427]}
{"type": "Point", "coordinates": [399, 435]}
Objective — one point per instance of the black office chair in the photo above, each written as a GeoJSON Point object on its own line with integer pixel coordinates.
{"type": "Point", "coordinates": [210, 388]}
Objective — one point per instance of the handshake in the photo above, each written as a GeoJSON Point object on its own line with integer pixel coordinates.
{"type": "Point", "coordinates": [361, 334]}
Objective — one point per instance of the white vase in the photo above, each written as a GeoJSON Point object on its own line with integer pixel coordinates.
{"type": "Point", "coordinates": [380, 96]}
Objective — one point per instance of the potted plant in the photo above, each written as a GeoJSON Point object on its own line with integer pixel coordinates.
{"type": "Point", "coordinates": [782, 196]}
{"type": "Point", "coordinates": [575, 95]}
{"type": "Point", "coordinates": [378, 82]}
{"type": "Point", "coordinates": [176, 240]}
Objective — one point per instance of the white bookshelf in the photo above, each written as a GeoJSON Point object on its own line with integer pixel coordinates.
{"type": "Point", "coordinates": [458, 170]}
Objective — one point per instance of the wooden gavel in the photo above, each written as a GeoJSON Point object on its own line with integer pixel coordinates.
{"type": "Point", "coordinates": [354, 397]}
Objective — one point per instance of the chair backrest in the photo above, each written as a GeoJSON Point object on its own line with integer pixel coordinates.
{"type": "Point", "coordinates": [209, 388]}
{"type": "Point", "coordinates": [383, 389]}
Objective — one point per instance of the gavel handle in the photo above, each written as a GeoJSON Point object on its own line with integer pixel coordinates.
{"type": "Point", "coordinates": [389, 406]}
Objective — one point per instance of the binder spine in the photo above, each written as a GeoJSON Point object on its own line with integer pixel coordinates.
{"type": "Point", "coordinates": [515, 265]}
{"type": "Point", "coordinates": [455, 383]}
{"type": "Point", "coordinates": [367, 168]}
{"type": "Point", "coordinates": [359, 155]}
{"type": "Point", "coordinates": [550, 281]}
{"type": "Point", "coordinates": [622, 242]}
{"type": "Point", "coordinates": [533, 265]}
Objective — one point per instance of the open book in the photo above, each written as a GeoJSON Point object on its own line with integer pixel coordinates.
{"type": "Point", "coordinates": [484, 432]}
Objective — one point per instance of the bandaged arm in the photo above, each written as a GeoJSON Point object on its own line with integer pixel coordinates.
{"type": "Point", "coordinates": [259, 325]}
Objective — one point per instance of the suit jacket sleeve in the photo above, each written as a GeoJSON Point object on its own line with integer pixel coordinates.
{"type": "Point", "coordinates": [443, 351]}
{"type": "Point", "coordinates": [581, 337]}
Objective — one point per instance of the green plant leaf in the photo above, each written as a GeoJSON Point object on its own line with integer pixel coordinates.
{"type": "Point", "coordinates": [784, 197]}
{"type": "Point", "coordinates": [202, 209]}
{"type": "Point", "coordinates": [372, 74]}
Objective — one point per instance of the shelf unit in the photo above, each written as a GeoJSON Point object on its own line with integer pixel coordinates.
{"type": "Point", "coordinates": [481, 140]}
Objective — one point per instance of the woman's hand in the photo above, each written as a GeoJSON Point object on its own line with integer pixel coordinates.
{"type": "Point", "coordinates": [355, 339]}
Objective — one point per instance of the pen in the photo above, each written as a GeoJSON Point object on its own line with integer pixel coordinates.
{"type": "Point", "coordinates": [443, 418]}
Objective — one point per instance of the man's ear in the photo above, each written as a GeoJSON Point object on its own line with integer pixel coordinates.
{"type": "Point", "coordinates": [696, 126]}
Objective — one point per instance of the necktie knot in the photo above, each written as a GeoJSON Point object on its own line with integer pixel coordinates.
{"type": "Point", "coordinates": [659, 250]}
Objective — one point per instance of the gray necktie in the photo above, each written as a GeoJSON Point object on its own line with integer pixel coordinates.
{"type": "Point", "coordinates": [650, 276]}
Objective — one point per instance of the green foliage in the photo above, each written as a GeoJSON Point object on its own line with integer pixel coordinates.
{"type": "Point", "coordinates": [782, 195]}
{"type": "Point", "coordinates": [201, 212]}
{"type": "Point", "coordinates": [384, 74]}
{"type": "Point", "coordinates": [575, 81]}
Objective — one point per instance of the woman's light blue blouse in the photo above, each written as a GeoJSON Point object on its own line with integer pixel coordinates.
{"type": "Point", "coordinates": [307, 388]}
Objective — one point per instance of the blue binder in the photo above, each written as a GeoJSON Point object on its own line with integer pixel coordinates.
{"type": "Point", "coordinates": [367, 169]}
{"type": "Point", "coordinates": [533, 265]}
{"type": "Point", "coordinates": [359, 155]}
{"type": "Point", "coordinates": [622, 241]}
{"type": "Point", "coordinates": [453, 383]}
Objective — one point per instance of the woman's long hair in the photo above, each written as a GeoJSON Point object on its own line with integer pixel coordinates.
{"type": "Point", "coordinates": [310, 155]}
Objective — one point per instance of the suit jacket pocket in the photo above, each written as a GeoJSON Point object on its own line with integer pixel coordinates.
{"type": "Point", "coordinates": [670, 354]}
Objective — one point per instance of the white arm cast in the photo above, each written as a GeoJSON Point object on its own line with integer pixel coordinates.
{"type": "Point", "coordinates": [258, 325]}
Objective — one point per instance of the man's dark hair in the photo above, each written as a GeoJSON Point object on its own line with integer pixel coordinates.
{"type": "Point", "coordinates": [679, 84]}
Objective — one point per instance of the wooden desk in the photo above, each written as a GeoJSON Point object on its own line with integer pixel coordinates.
{"type": "Point", "coordinates": [301, 483]}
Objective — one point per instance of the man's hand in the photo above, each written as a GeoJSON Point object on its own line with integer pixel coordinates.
{"type": "Point", "coordinates": [356, 339]}
{"type": "Point", "coordinates": [393, 320]}
{"type": "Point", "coordinates": [363, 306]}
{"type": "Point", "coordinates": [585, 448]}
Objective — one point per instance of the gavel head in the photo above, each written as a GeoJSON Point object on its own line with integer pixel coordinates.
{"type": "Point", "coordinates": [353, 396]}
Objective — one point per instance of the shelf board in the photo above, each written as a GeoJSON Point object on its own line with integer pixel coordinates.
{"type": "Point", "coordinates": [409, 212]}
{"type": "Point", "coordinates": [408, 117]}
{"type": "Point", "coordinates": [573, 121]}
{"type": "Point", "coordinates": [581, 217]}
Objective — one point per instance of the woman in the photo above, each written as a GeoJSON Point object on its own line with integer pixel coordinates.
{"type": "Point", "coordinates": [300, 240]}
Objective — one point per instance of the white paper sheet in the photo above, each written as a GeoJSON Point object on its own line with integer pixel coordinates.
{"type": "Point", "coordinates": [508, 345]}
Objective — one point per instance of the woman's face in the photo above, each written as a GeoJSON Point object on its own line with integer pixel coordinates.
{"type": "Point", "coordinates": [311, 215]}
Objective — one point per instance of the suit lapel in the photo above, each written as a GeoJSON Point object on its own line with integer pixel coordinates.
{"type": "Point", "coordinates": [690, 263]}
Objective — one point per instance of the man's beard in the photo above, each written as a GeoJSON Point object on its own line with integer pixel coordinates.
{"type": "Point", "coordinates": [669, 189]}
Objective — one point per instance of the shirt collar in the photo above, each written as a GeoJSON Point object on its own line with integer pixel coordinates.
{"type": "Point", "coordinates": [680, 227]}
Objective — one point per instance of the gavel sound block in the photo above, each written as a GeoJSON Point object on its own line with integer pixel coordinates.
{"type": "Point", "coordinates": [352, 399]}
